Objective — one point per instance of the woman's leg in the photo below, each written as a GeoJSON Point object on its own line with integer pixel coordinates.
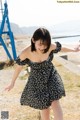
{"type": "Point", "coordinates": [58, 115]}
{"type": "Point", "coordinates": [45, 114]}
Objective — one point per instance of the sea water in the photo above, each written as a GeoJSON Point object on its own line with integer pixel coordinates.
{"type": "Point", "coordinates": [68, 40]}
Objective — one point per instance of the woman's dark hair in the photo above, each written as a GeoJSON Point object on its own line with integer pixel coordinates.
{"type": "Point", "coordinates": [42, 34]}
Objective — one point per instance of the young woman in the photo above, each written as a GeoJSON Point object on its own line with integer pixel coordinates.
{"type": "Point", "coordinates": [44, 87]}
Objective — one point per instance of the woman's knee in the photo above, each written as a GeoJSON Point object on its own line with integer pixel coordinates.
{"type": "Point", "coordinates": [55, 103]}
{"type": "Point", "coordinates": [45, 114]}
{"type": "Point", "coordinates": [57, 110]}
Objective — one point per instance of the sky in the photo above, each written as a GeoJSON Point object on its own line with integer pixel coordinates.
{"type": "Point", "coordinates": [41, 12]}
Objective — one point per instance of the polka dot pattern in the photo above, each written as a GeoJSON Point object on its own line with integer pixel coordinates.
{"type": "Point", "coordinates": [44, 83]}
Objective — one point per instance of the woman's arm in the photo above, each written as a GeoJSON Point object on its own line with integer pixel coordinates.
{"type": "Point", "coordinates": [14, 78]}
{"type": "Point", "coordinates": [59, 47]}
{"type": "Point", "coordinates": [17, 71]}
{"type": "Point", "coordinates": [19, 66]}
{"type": "Point", "coordinates": [64, 49]}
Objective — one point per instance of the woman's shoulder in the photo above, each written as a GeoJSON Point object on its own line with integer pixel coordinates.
{"type": "Point", "coordinates": [53, 46]}
{"type": "Point", "coordinates": [25, 53]}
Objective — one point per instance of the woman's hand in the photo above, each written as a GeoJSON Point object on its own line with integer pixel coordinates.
{"type": "Point", "coordinates": [77, 49]}
{"type": "Point", "coordinates": [9, 87]}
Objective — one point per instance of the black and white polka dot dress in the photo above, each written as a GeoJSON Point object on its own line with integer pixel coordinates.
{"type": "Point", "coordinates": [44, 83]}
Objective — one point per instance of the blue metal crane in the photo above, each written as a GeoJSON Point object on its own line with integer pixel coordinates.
{"type": "Point", "coordinates": [5, 20]}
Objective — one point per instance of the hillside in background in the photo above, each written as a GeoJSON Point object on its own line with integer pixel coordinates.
{"type": "Point", "coordinates": [16, 29]}
{"type": "Point", "coordinates": [62, 29]}
{"type": "Point", "coordinates": [29, 30]}
{"type": "Point", "coordinates": [66, 28]}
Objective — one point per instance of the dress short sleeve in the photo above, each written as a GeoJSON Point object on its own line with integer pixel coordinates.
{"type": "Point", "coordinates": [58, 47]}
{"type": "Point", "coordinates": [22, 62]}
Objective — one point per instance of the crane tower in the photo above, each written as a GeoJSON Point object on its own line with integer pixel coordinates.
{"type": "Point", "coordinates": [3, 31]}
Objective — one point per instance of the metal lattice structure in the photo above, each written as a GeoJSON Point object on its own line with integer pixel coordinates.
{"type": "Point", "coordinates": [5, 20]}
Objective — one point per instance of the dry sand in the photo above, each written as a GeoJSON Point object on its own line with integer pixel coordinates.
{"type": "Point", "coordinates": [9, 101]}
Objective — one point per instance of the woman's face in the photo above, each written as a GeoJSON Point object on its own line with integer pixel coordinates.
{"type": "Point", "coordinates": [40, 46]}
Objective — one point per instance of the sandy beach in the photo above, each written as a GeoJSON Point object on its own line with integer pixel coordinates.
{"type": "Point", "coordinates": [9, 101]}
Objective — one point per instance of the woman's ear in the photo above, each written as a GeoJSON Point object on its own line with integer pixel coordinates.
{"type": "Point", "coordinates": [33, 40]}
